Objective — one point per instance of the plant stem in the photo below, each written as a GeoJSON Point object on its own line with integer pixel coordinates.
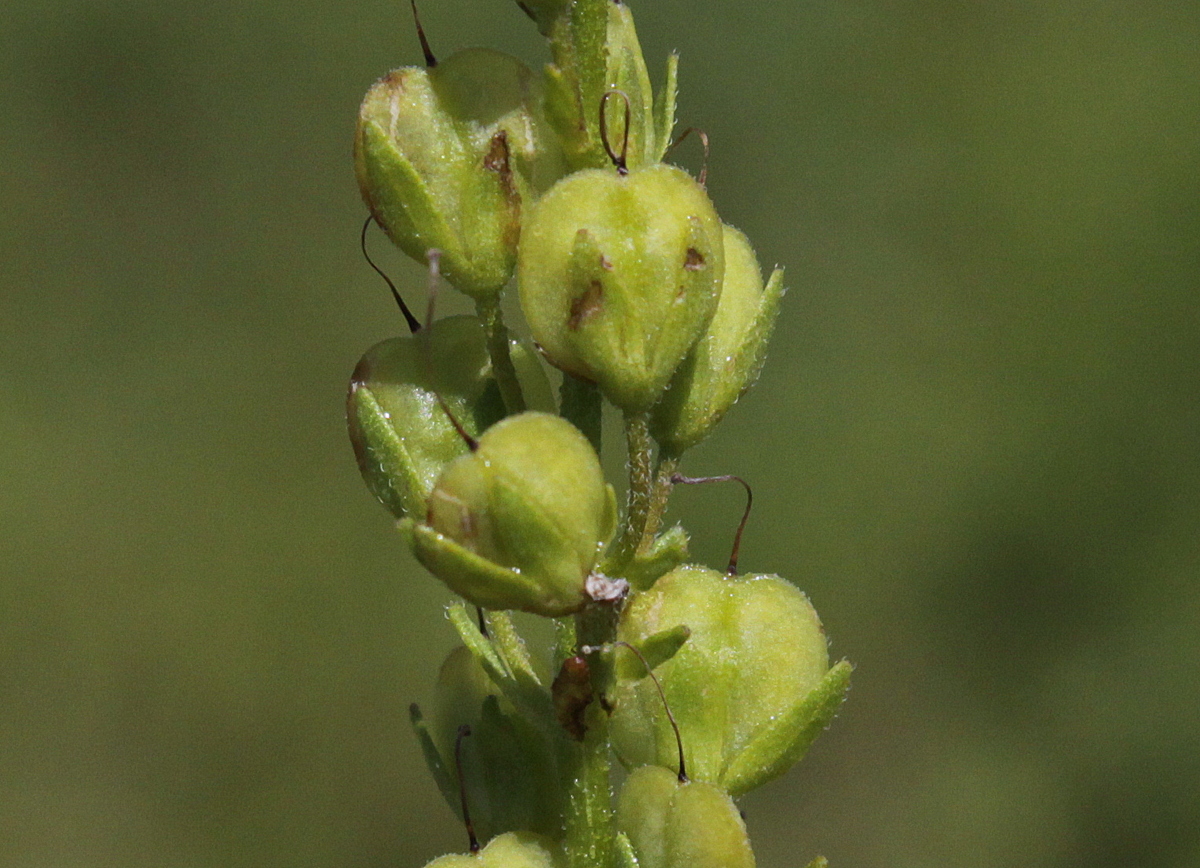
{"type": "Point", "coordinates": [641, 484]}
{"type": "Point", "coordinates": [667, 465]}
{"type": "Point", "coordinates": [581, 406]}
{"type": "Point", "coordinates": [498, 351]}
{"type": "Point", "coordinates": [589, 820]}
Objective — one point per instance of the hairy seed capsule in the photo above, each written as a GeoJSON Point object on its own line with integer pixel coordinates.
{"type": "Point", "coordinates": [510, 850]}
{"type": "Point", "coordinates": [507, 763]}
{"type": "Point", "coordinates": [447, 157]}
{"type": "Point", "coordinates": [520, 522]}
{"type": "Point", "coordinates": [619, 275]}
{"type": "Point", "coordinates": [750, 688]}
{"type": "Point", "coordinates": [681, 825]}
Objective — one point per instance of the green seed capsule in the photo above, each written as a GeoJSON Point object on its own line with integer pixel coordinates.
{"type": "Point", "coordinates": [510, 850]}
{"type": "Point", "coordinates": [447, 157]}
{"type": "Point", "coordinates": [681, 825]}
{"type": "Point", "coordinates": [727, 358]}
{"type": "Point", "coordinates": [401, 435]}
{"type": "Point", "coordinates": [619, 275]}
{"type": "Point", "coordinates": [750, 688]}
{"type": "Point", "coordinates": [520, 522]}
{"type": "Point", "coordinates": [507, 765]}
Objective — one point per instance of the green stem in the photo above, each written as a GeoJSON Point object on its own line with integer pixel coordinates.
{"type": "Point", "coordinates": [498, 351]}
{"type": "Point", "coordinates": [658, 498]}
{"type": "Point", "coordinates": [641, 485]}
{"type": "Point", "coordinates": [590, 828]}
{"type": "Point", "coordinates": [580, 404]}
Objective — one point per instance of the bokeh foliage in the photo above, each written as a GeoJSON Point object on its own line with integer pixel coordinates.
{"type": "Point", "coordinates": [975, 444]}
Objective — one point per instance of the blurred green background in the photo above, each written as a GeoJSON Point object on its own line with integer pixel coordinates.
{"type": "Point", "coordinates": [976, 443]}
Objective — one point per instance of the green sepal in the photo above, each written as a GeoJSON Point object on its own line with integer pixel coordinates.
{"type": "Point", "coordinates": [521, 688]}
{"type": "Point", "coordinates": [668, 550]}
{"type": "Point", "coordinates": [446, 783]}
{"type": "Point", "coordinates": [564, 112]}
{"type": "Point", "coordinates": [401, 436]}
{"type": "Point", "coordinates": [483, 582]}
{"type": "Point", "coordinates": [510, 850]}
{"type": "Point", "coordinates": [482, 648]}
{"type": "Point", "coordinates": [783, 743]}
{"type": "Point", "coordinates": [544, 12]}
{"type": "Point", "coordinates": [664, 107]}
{"type": "Point", "coordinates": [654, 650]}
{"type": "Point", "coordinates": [595, 50]}
{"type": "Point", "coordinates": [383, 460]}
{"type": "Point", "coordinates": [575, 81]}
{"type": "Point", "coordinates": [626, 858]}
{"type": "Point", "coordinates": [681, 825]}
{"type": "Point", "coordinates": [512, 649]}
{"type": "Point", "coordinates": [727, 358]}
{"type": "Point", "coordinates": [819, 862]}
{"type": "Point", "coordinates": [627, 73]}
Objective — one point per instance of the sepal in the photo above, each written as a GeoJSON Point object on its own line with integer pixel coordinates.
{"type": "Point", "coordinates": [402, 437]}
{"type": "Point", "coordinates": [783, 743]}
{"type": "Point", "coordinates": [595, 50]}
{"type": "Point", "coordinates": [652, 651]}
{"type": "Point", "coordinates": [627, 73]}
{"type": "Point", "coordinates": [668, 550]}
{"type": "Point", "coordinates": [544, 12]}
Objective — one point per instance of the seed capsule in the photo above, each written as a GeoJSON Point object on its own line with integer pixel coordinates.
{"type": "Point", "coordinates": [750, 689]}
{"type": "Point", "coordinates": [681, 825]}
{"type": "Point", "coordinates": [447, 157]}
{"type": "Point", "coordinates": [507, 765]}
{"type": "Point", "coordinates": [520, 522]}
{"type": "Point", "coordinates": [510, 850]}
{"type": "Point", "coordinates": [619, 275]}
